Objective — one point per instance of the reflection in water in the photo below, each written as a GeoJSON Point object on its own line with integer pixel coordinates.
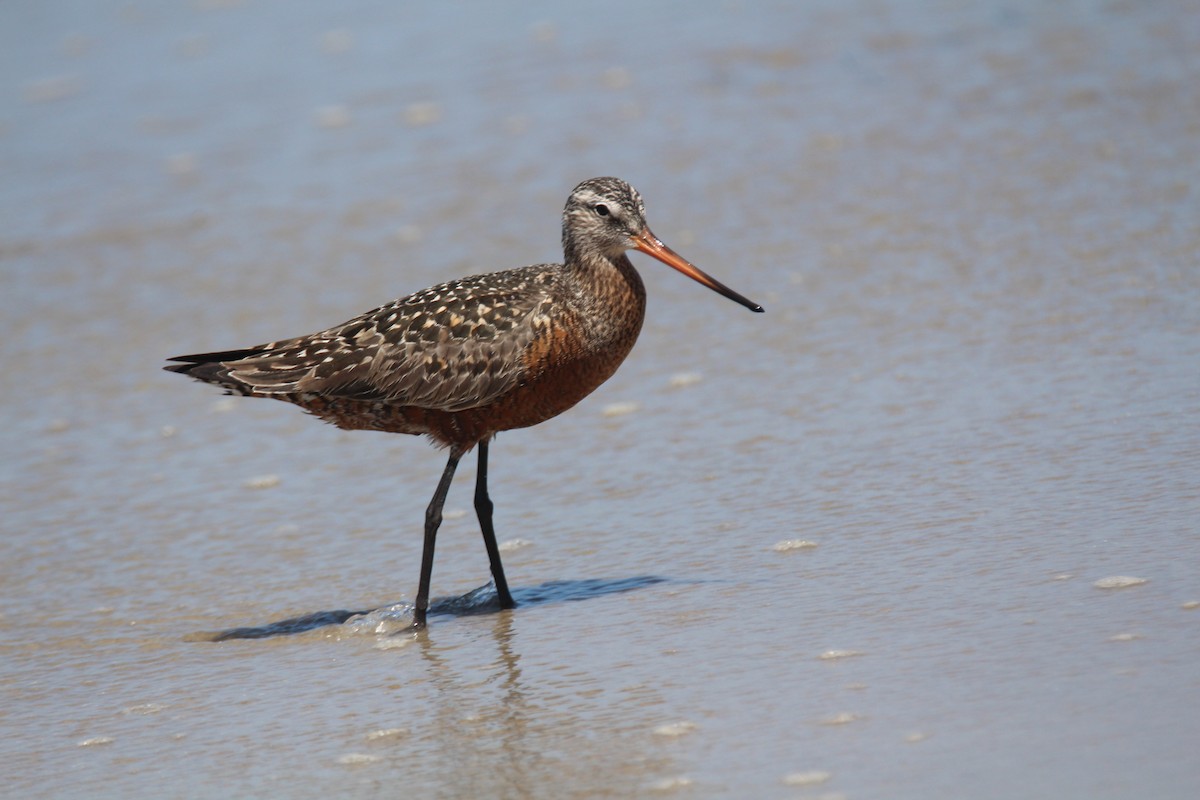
{"type": "Point", "coordinates": [493, 732]}
{"type": "Point", "coordinates": [474, 725]}
{"type": "Point", "coordinates": [495, 703]}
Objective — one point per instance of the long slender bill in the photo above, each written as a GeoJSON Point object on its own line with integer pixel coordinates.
{"type": "Point", "coordinates": [649, 244]}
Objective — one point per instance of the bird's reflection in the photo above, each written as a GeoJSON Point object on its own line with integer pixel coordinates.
{"type": "Point", "coordinates": [531, 721]}
{"type": "Point", "coordinates": [480, 715]}
{"type": "Point", "coordinates": [480, 712]}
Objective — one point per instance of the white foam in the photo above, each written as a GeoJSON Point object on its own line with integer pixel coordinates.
{"type": "Point", "coordinates": [1119, 582]}
{"type": "Point", "coordinates": [333, 116]}
{"type": "Point", "coordinates": [793, 544]}
{"type": "Point", "coordinates": [418, 114]}
{"type": "Point", "coordinates": [813, 777]}
{"type": "Point", "coordinates": [682, 379]}
{"type": "Point", "coordinates": [262, 482]}
{"type": "Point", "coordinates": [355, 759]}
{"type": "Point", "coordinates": [671, 784]}
{"type": "Point", "coordinates": [394, 642]}
{"type": "Point", "coordinates": [674, 729]}
{"type": "Point", "coordinates": [386, 733]}
{"type": "Point", "coordinates": [619, 409]}
{"type": "Point", "coordinates": [338, 40]}
{"type": "Point", "coordinates": [843, 718]}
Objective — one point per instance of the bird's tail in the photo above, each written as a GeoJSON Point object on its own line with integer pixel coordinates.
{"type": "Point", "coordinates": [217, 368]}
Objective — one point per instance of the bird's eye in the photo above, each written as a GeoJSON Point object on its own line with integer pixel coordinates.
{"type": "Point", "coordinates": [600, 209]}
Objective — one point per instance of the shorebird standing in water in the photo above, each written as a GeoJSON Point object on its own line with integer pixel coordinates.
{"type": "Point", "coordinates": [465, 360]}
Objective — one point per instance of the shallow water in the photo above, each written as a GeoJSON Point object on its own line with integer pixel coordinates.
{"type": "Point", "coordinates": [975, 231]}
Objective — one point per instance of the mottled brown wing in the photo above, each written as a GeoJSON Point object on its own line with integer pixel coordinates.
{"type": "Point", "coordinates": [451, 347]}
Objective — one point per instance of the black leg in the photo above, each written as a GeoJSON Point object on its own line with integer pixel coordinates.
{"type": "Point", "coordinates": [433, 518]}
{"type": "Point", "coordinates": [483, 507]}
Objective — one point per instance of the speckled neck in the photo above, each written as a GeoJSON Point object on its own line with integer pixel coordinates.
{"type": "Point", "coordinates": [611, 297]}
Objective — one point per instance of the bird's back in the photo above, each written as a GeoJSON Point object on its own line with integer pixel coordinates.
{"type": "Point", "coordinates": [456, 361]}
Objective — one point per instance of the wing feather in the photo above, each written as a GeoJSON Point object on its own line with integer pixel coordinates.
{"type": "Point", "coordinates": [455, 346]}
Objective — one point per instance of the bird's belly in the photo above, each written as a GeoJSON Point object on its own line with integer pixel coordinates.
{"type": "Point", "coordinates": [550, 393]}
{"type": "Point", "coordinates": [558, 385]}
{"type": "Point", "coordinates": [557, 374]}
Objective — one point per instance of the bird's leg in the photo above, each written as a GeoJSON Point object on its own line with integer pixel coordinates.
{"type": "Point", "coordinates": [433, 518]}
{"type": "Point", "coordinates": [483, 508]}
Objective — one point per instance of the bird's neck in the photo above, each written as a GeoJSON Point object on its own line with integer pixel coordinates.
{"type": "Point", "coordinates": [607, 278]}
{"type": "Point", "coordinates": [610, 293]}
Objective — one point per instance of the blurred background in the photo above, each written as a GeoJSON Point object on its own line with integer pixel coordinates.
{"type": "Point", "coordinates": [926, 528]}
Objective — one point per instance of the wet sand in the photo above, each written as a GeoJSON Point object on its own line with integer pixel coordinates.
{"type": "Point", "coordinates": [868, 544]}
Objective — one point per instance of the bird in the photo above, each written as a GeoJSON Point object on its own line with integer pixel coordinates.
{"type": "Point", "coordinates": [464, 360]}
